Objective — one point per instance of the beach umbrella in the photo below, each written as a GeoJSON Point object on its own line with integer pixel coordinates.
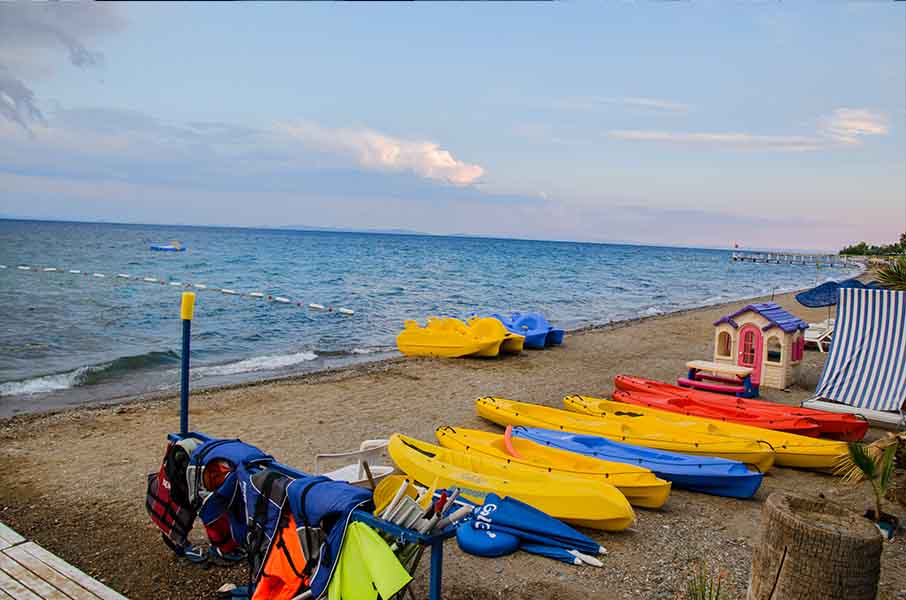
{"type": "Point", "coordinates": [530, 525]}
{"type": "Point", "coordinates": [482, 542]}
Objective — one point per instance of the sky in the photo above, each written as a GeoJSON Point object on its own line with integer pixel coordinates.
{"type": "Point", "coordinates": [763, 124]}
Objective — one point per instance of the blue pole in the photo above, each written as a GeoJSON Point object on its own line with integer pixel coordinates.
{"type": "Point", "coordinates": [186, 309]}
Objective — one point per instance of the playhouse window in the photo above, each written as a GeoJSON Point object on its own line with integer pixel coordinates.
{"type": "Point", "coordinates": [748, 348]}
{"type": "Point", "coordinates": [774, 350]}
{"type": "Point", "coordinates": [723, 344]}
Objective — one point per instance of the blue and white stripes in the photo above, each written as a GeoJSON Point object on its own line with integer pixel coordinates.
{"type": "Point", "coordinates": [866, 367]}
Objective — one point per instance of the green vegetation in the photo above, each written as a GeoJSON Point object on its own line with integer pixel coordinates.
{"type": "Point", "coordinates": [863, 249]}
{"type": "Point", "coordinates": [873, 462]}
{"type": "Point", "coordinates": [704, 585]}
{"type": "Point", "coordinates": [893, 275]}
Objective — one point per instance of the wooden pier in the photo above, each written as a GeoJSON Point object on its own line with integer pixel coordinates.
{"type": "Point", "coordinates": [783, 258]}
{"type": "Point", "coordinates": [29, 572]}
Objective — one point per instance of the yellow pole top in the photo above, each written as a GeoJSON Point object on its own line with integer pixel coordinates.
{"type": "Point", "coordinates": [188, 305]}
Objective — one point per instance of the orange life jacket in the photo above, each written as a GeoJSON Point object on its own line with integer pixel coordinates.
{"type": "Point", "coordinates": [282, 577]}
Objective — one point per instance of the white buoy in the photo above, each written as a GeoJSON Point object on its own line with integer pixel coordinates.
{"type": "Point", "coordinates": [123, 276]}
{"type": "Point", "coordinates": [317, 307]}
{"type": "Point", "coordinates": [149, 279]}
{"type": "Point", "coordinates": [200, 286]}
{"type": "Point", "coordinates": [23, 268]}
{"type": "Point", "coordinates": [175, 283]}
{"type": "Point", "coordinates": [101, 275]}
{"type": "Point", "coordinates": [256, 294]}
{"type": "Point", "coordinates": [49, 269]}
{"type": "Point", "coordinates": [74, 271]}
{"type": "Point", "coordinates": [282, 299]}
{"type": "Point", "coordinates": [229, 292]}
{"type": "Point", "coordinates": [345, 311]}
{"type": "Point", "coordinates": [2, 266]}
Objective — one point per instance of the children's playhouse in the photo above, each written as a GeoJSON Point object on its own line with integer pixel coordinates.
{"type": "Point", "coordinates": [765, 338]}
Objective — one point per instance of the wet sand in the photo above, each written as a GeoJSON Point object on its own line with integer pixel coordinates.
{"type": "Point", "coordinates": [75, 481]}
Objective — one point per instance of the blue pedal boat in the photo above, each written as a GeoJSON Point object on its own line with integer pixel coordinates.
{"type": "Point", "coordinates": [538, 332]}
{"type": "Point", "coordinates": [709, 475]}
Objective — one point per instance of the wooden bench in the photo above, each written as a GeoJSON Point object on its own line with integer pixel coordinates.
{"type": "Point", "coordinates": [29, 572]}
{"type": "Point", "coordinates": [738, 382]}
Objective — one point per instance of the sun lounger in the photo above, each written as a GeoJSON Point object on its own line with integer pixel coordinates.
{"type": "Point", "coordinates": [820, 334]}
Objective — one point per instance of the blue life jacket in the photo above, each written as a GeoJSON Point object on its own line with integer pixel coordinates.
{"type": "Point", "coordinates": [222, 510]}
{"type": "Point", "coordinates": [319, 502]}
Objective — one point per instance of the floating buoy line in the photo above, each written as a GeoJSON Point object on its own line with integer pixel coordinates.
{"type": "Point", "coordinates": [198, 286]}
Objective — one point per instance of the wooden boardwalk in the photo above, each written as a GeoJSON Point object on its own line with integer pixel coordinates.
{"type": "Point", "coordinates": [29, 572]}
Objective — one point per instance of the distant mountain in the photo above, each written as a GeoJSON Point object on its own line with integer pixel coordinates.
{"type": "Point", "coordinates": [351, 230]}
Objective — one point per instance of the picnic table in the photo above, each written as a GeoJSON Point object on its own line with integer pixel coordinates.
{"type": "Point", "coordinates": [728, 378]}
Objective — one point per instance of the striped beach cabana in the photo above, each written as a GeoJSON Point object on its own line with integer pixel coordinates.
{"type": "Point", "coordinates": [866, 367]}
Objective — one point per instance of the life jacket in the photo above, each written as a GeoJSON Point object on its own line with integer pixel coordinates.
{"type": "Point", "coordinates": [283, 573]}
{"type": "Point", "coordinates": [321, 509]}
{"type": "Point", "coordinates": [167, 499]}
{"type": "Point", "coordinates": [222, 465]}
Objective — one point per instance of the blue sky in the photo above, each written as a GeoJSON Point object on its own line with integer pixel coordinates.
{"type": "Point", "coordinates": [708, 123]}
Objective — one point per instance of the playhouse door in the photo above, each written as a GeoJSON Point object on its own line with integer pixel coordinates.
{"type": "Point", "coordinates": [750, 351]}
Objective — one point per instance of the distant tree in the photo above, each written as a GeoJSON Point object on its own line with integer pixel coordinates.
{"type": "Point", "coordinates": [863, 249]}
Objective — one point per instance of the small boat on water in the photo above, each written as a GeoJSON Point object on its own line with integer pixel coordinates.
{"type": "Point", "coordinates": [173, 246]}
{"type": "Point", "coordinates": [538, 332]}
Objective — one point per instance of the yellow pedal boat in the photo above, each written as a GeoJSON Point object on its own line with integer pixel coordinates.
{"type": "Point", "coordinates": [448, 338]}
{"type": "Point", "coordinates": [648, 432]}
{"type": "Point", "coordinates": [579, 501]}
{"type": "Point", "coordinates": [492, 328]}
{"type": "Point", "coordinates": [640, 486]}
{"type": "Point", "coordinates": [790, 450]}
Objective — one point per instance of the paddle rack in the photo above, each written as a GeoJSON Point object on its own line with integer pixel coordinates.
{"type": "Point", "coordinates": [434, 541]}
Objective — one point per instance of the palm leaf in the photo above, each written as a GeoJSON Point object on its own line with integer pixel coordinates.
{"type": "Point", "coordinates": [864, 464]}
{"type": "Point", "coordinates": [886, 467]}
{"type": "Point", "coordinates": [893, 275]}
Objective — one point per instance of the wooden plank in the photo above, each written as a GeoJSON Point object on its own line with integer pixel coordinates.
{"type": "Point", "coordinates": [706, 365]}
{"type": "Point", "coordinates": [57, 579]}
{"type": "Point", "coordinates": [89, 583]}
{"type": "Point", "coordinates": [8, 537]}
{"type": "Point", "coordinates": [29, 579]}
{"type": "Point", "coordinates": [15, 589]}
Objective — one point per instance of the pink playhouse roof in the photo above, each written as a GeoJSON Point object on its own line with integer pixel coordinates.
{"type": "Point", "coordinates": [776, 316]}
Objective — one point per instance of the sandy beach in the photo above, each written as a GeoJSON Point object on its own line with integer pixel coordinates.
{"type": "Point", "coordinates": [75, 481]}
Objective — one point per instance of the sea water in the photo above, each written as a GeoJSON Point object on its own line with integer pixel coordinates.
{"type": "Point", "coordinates": [71, 338]}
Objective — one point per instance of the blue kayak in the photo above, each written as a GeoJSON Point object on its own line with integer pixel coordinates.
{"type": "Point", "coordinates": [168, 248]}
{"type": "Point", "coordinates": [536, 329]}
{"type": "Point", "coordinates": [709, 475]}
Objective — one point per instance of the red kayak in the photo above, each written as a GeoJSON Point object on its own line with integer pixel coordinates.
{"type": "Point", "coordinates": [741, 416]}
{"type": "Point", "coordinates": [849, 428]}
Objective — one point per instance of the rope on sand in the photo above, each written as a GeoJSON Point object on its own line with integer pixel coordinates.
{"type": "Point", "coordinates": [199, 286]}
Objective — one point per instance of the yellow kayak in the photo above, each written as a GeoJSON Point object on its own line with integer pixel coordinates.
{"type": "Point", "coordinates": [579, 501]}
{"type": "Point", "coordinates": [492, 328]}
{"type": "Point", "coordinates": [790, 450]}
{"type": "Point", "coordinates": [649, 432]}
{"type": "Point", "coordinates": [443, 338]}
{"type": "Point", "coordinates": [640, 486]}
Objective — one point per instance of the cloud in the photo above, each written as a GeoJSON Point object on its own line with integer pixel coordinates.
{"type": "Point", "coordinates": [740, 140]}
{"type": "Point", "coordinates": [374, 150]}
{"type": "Point", "coordinates": [643, 104]}
{"type": "Point", "coordinates": [847, 125]}
{"type": "Point", "coordinates": [32, 35]}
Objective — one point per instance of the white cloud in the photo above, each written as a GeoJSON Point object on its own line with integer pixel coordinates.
{"type": "Point", "coordinates": [847, 125]}
{"type": "Point", "coordinates": [742, 140]}
{"type": "Point", "coordinates": [644, 104]}
{"type": "Point", "coordinates": [378, 151]}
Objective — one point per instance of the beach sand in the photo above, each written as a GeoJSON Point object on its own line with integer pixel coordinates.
{"type": "Point", "coordinates": [75, 481]}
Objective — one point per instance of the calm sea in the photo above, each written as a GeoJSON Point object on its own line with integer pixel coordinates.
{"type": "Point", "coordinates": [70, 338]}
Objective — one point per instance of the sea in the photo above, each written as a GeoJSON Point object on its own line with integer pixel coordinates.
{"type": "Point", "coordinates": [76, 330]}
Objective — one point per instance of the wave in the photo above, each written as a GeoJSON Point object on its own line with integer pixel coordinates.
{"type": "Point", "coordinates": [88, 375]}
{"type": "Point", "coordinates": [257, 363]}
